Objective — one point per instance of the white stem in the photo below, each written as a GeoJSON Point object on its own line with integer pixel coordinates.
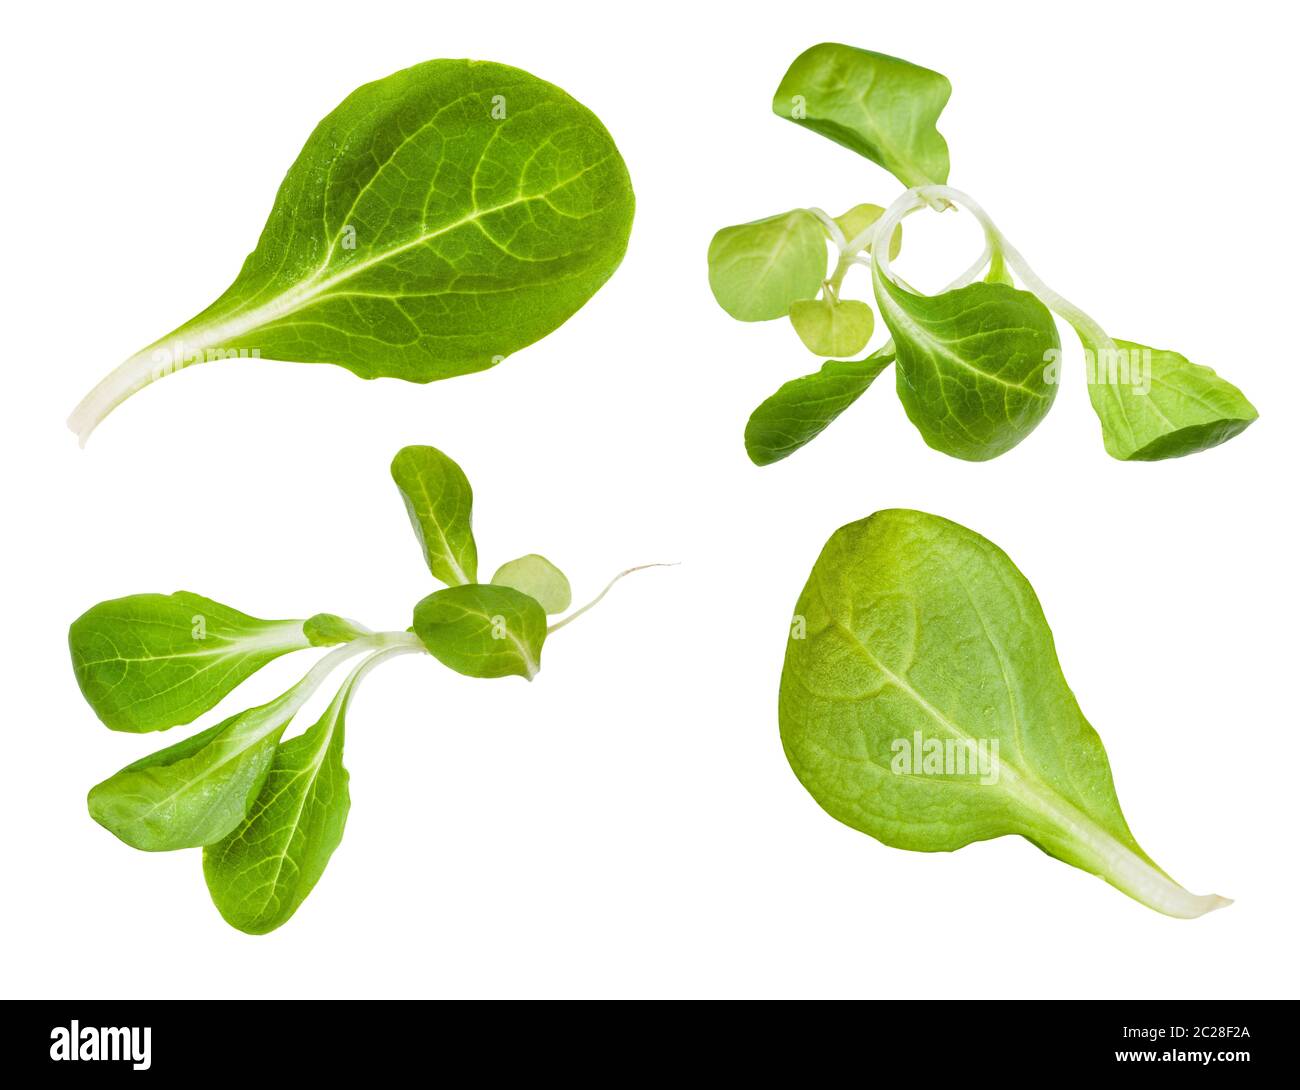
{"type": "Point", "coordinates": [595, 601]}
{"type": "Point", "coordinates": [1089, 330]}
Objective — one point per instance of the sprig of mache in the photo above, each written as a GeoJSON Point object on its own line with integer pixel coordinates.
{"type": "Point", "coordinates": [977, 364]}
{"type": "Point", "coordinates": [269, 813]}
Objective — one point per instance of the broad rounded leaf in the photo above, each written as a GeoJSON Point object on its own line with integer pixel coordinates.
{"type": "Point", "coordinates": [538, 578]}
{"type": "Point", "coordinates": [879, 106]}
{"type": "Point", "coordinates": [832, 327]}
{"type": "Point", "coordinates": [922, 703]}
{"type": "Point", "coordinates": [153, 661]}
{"type": "Point", "coordinates": [756, 270]}
{"type": "Point", "coordinates": [975, 366]}
{"type": "Point", "coordinates": [483, 630]}
{"type": "Point", "coordinates": [440, 502]}
{"type": "Point", "coordinates": [434, 223]}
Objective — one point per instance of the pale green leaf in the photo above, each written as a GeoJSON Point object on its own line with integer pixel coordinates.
{"type": "Point", "coordinates": [1155, 404]}
{"type": "Point", "coordinates": [832, 327]}
{"type": "Point", "coordinates": [922, 703]}
{"type": "Point", "coordinates": [858, 218]}
{"type": "Point", "coordinates": [756, 270]}
{"type": "Point", "coordinates": [879, 106]}
{"type": "Point", "coordinates": [538, 578]}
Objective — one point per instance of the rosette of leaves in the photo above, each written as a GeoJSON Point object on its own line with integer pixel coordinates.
{"type": "Point", "coordinates": [976, 365]}
{"type": "Point", "coordinates": [268, 812]}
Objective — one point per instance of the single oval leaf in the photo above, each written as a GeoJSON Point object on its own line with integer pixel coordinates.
{"type": "Point", "coordinates": [832, 327]}
{"type": "Point", "coordinates": [440, 503]}
{"type": "Point", "coordinates": [435, 222]}
{"type": "Point", "coordinates": [879, 106]}
{"type": "Point", "coordinates": [922, 703]}
{"type": "Point", "coordinates": [154, 661]}
{"type": "Point", "coordinates": [538, 578]}
{"type": "Point", "coordinates": [328, 629]}
{"type": "Point", "coordinates": [975, 366]}
{"type": "Point", "coordinates": [756, 270]}
{"type": "Point", "coordinates": [483, 630]}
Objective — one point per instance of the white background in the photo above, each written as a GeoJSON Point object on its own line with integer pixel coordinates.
{"type": "Point", "coordinates": [627, 825]}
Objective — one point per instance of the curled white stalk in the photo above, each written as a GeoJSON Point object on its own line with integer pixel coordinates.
{"type": "Point", "coordinates": [1089, 330]}
{"type": "Point", "coordinates": [608, 587]}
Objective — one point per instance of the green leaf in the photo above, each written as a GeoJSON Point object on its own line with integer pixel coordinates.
{"type": "Point", "coordinates": [439, 500]}
{"type": "Point", "coordinates": [802, 409]}
{"type": "Point", "coordinates": [327, 629]}
{"type": "Point", "coordinates": [153, 661]}
{"type": "Point", "coordinates": [832, 327]}
{"type": "Point", "coordinates": [1156, 404]}
{"type": "Point", "coordinates": [917, 645]}
{"type": "Point", "coordinates": [538, 578]}
{"type": "Point", "coordinates": [973, 364]}
{"type": "Point", "coordinates": [483, 630]}
{"type": "Point", "coordinates": [434, 223]}
{"type": "Point", "coordinates": [756, 270]}
{"type": "Point", "coordinates": [879, 106]}
{"type": "Point", "coordinates": [194, 792]}
{"type": "Point", "coordinates": [858, 218]}
{"type": "Point", "coordinates": [197, 791]}
{"type": "Point", "coordinates": [262, 871]}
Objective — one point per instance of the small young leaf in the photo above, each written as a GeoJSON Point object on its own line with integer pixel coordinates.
{"type": "Point", "coordinates": [435, 222]}
{"type": "Point", "coordinates": [858, 218]}
{"type": "Point", "coordinates": [832, 327]}
{"type": "Point", "coordinates": [483, 630]}
{"type": "Point", "coordinates": [802, 409]}
{"type": "Point", "coordinates": [538, 578]}
{"type": "Point", "coordinates": [262, 871]}
{"type": "Point", "coordinates": [153, 661]}
{"type": "Point", "coordinates": [879, 106]}
{"type": "Point", "coordinates": [1155, 404]}
{"type": "Point", "coordinates": [327, 629]}
{"type": "Point", "coordinates": [922, 703]}
{"type": "Point", "coordinates": [756, 270]}
{"type": "Point", "coordinates": [972, 364]}
{"type": "Point", "coordinates": [439, 500]}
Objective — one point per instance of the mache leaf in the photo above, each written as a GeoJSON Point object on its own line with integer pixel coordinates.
{"type": "Point", "coordinates": [538, 578]}
{"type": "Point", "coordinates": [832, 327]}
{"type": "Point", "coordinates": [802, 409]}
{"type": "Point", "coordinates": [972, 364]}
{"type": "Point", "coordinates": [1155, 404]}
{"type": "Point", "coordinates": [260, 873]}
{"type": "Point", "coordinates": [917, 641]}
{"type": "Point", "coordinates": [483, 630]}
{"type": "Point", "coordinates": [879, 106]}
{"type": "Point", "coordinates": [153, 661]}
{"type": "Point", "coordinates": [861, 216]}
{"type": "Point", "coordinates": [435, 222]}
{"type": "Point", "coordinates": [440, 503]}
{"type": "Point", "coordinates": [756, 270]}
